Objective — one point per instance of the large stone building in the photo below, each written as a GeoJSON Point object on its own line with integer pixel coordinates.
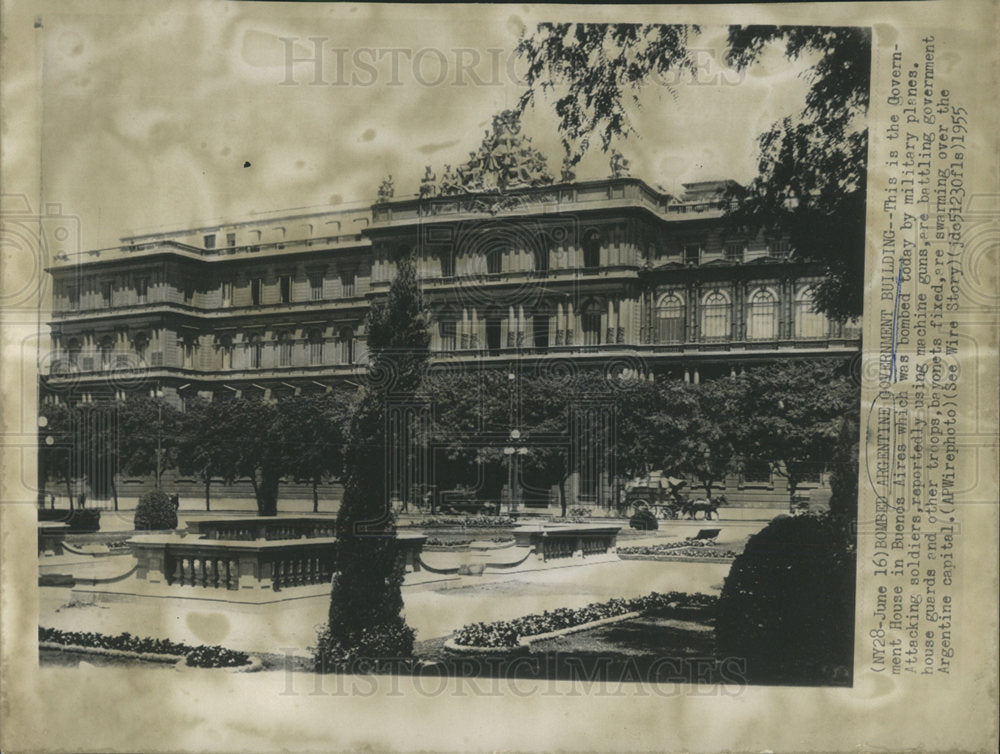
{"type": "Point", "coordinates": [604, 271]}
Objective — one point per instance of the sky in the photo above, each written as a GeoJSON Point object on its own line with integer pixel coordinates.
{"type": "Point", "coordinates": [160, 117]}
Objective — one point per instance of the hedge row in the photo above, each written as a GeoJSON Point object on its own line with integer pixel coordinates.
{"type": "Point", "coordinates": [507, 633]}
{"type": "Point", "coordinates": [466, 522]}
{"type": "Point", "coordinates": [200, 657]}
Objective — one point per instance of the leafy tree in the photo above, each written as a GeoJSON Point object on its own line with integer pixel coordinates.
{"type": "Point", "coordinates": [55, 443]}
{"type": "Point", "coordinates": [796, 412]}
{"type": "Point", "coordinates": [252, 447]}
{"type": "Point", "coordinates": [145, 425]}
{"type": "Point", "coordinates": [204, 450]}
{"type": "Point", "coordinates": [311, 428]}
{"type": "Point", "coordinates": [467, 406]}
{"type": "Point", "coordinates": [711, 441]}
{"type": "Point", "coordinates": [365, 617]}
{"type": "Point", "coordinates": [812, 170]}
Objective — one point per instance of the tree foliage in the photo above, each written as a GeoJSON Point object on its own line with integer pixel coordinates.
{"type": "Point", "coordinates": [795, 415]}
{"type": "Point", "coordinates": [366, 602]}
{"type": "Point", "coordinates": [812, 168]}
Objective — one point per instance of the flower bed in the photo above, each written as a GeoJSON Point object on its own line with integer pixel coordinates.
{"type": "Point", "coordinates": [508, 633]}
{"type": "Point", "coordinates": [690, 548]}
{"type": "Point", "coordinates": [199, 657]}
{"type": "Point", "coordinates": [465, 522]}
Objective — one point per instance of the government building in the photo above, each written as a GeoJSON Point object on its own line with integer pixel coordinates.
{"type": "Point", "coordinates": [601, 272]}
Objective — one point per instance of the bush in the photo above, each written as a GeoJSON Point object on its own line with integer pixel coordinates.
{"type": "Point", "coordinates": [216, 657]}
{"type": "Point", "coordinates": [787, 605]}
{"type": "Point", "coordinates": [155, 511]}
{"type": "Point", "coordinates": [368, 647]}
{"type": "Point", "coordinates": [644, 520]}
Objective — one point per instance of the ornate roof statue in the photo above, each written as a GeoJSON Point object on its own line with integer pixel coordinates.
{"type": "Point", "coordinates": [386, 190]}
{"type": "Point", "coordinates": [505, 160]}
{"type": "Point", "coordinates": [619, 165]}
{"type": "Point", "coordinates": [428, 184]}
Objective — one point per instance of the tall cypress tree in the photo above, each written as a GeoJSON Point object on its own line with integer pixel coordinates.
{"type": "Point", "coordinates": [365, 619]}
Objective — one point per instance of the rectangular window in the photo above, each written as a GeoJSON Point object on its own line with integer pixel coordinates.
{"type": "Point", "coordinates": [106, 288]}
{"type": "Point", "coordinates": [227, 293]}
{"type": "Point", "coordinates": [188, 291]}
{"type": "Point", "coordinates": [494, 262]}
{"type": "Point", "coordinates": [316, 287]}
{"type": "Point", "coordinates": [210, 241]}
{"type": "Point", "coordinates": [141, 290]}
{"type": "Point", "coordinates": [73, 294]}
{"type": "Point", "coordinates": [540, 330]}
{"type": "Point", "coordinates": [230, 239]}
{"type": "Point", "coordinates": [780, 249]}
{"type": "Point", "coordinates": [692, 253]}
{"type": "Point", "coordinates": [256, 286]}
{"type": "Point", "coordinates": [449, 332]}
{"type": "Point", "coordinates": [285, 353]}
{"type": "Point", "coordinates": [316, 351]}
{"type": "Point", "coordinates": [347, 282]}
{"type": "Point", "coordinates": [734, 251]}
{"type": "Point", "coordinates": [285, 288]}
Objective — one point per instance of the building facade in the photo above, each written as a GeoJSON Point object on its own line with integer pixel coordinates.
{"type": "Point", "coordinates": [600, 272]}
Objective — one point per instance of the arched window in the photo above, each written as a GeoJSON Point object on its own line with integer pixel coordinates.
{"type": "Point", "coordinates": [590, 321]}
{"type": "Point", "coordinates": [670, 316]}
{"type": "Point", "coordinates": [105, 348]}
{"type": "Point", "coordinates": [347, 345]}
{"type": "Point", "coordinates": [809, 323]}
{"type": "Point", "coordinates": [448, 330]}
{"type": "Point", "coordinates": [762, 315]}
{"type": "Point", "coordinates": [255, 350]}
{"type": "Point", "coordinates": [715, 316]}
{"type": "Point", "coordinates": [285, 349]}
{"type": "Point", "coordinates": [315, 346]}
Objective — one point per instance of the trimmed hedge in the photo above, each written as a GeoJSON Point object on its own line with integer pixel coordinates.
{"type": "Point", "coordinates": [691, 548]}
{"type": "Point", "coordinates": [507, 633]}
{"type": "Point", "coordinates": [787, 605]}
{"type": "Point", "coordinates": [155, 511]}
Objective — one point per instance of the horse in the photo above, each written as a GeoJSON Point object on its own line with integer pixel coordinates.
{"type": "Point", "coordinates": [708, 507]}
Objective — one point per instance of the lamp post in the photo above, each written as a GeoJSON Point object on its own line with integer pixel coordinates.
{"type": "Point", "coordinates": [158, 394]}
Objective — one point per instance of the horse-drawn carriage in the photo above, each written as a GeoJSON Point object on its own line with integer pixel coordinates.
{"type": "Point", "coordinates": [663, 497]}
{"type": "Point", "coordinates": [656, 493]}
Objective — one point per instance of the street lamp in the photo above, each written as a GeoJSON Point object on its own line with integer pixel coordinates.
{"type": "Point", "coordinates": [158, 394]}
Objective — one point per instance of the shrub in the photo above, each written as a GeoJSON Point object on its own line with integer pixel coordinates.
{"type": "Point", "coordinates": [155, 511]}
{"type": "Point", "coordinates": [216, 657]}
{"type": "Point", "coordinates": [787, 605]}
{"type": "Point", "coordinates": [369, 646]}
{"type": "Point", "coordinates": [644, 520]}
